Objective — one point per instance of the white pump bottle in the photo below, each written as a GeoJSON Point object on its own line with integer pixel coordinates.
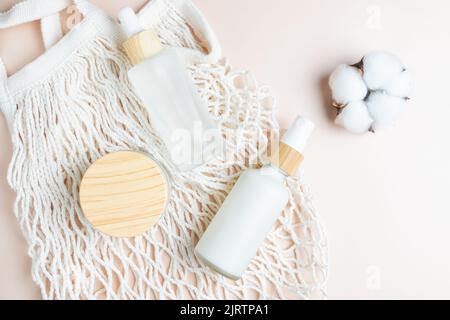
{"type": "Point", "coordinates": [251, 209]}
{"type": "Point", "coordinates": [161, 81]}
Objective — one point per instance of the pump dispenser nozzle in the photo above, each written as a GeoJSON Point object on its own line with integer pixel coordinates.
{"type": "Point", "coordinates": [130, 22]}
{"type": "Point", "coordinates": [142, 44]}
{"type": "Point", "coordinates": [298, 134]}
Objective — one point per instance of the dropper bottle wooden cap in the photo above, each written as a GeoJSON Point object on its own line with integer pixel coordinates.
{"type": "Point", "coordinates": [141, 44]}
{"type": "Point", "coordinates": [293, 144]}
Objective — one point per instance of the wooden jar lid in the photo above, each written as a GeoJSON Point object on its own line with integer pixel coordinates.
{"type": "Point", "coordinates": [123, 194]}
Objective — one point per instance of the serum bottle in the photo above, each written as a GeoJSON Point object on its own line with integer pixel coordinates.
{"type": "Point", "coordinates": [251, 209]}
{"type": "Point", "coordinates": [161, 81]}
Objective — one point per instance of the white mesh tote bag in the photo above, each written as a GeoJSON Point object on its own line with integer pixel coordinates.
{"type": "Point", "coordinates": [74, 104]}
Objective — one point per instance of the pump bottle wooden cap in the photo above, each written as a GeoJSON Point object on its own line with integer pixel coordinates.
{"type": "Point", "coordinates": [289, 159]}
{"type": "Point", "coordinates": [142, 46]}
{"type": "Point", "coordinates": [292, 146]}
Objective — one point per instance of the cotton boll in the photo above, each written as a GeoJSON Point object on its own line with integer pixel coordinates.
{"type": "Point", "coordinates": [384, 109]}
{"type": "Point", "coordinates": [373, 99]}
{"type": "Point", "coordinates": [380, 69]}
{"type": "Point", "coordinates": [355, 117]}
{"type": "Point", "coordinates": [401, 86]}
{"type": "Point", "coordinates": [347, 85]}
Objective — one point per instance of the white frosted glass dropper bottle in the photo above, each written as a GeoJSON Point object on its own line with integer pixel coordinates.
{"type": "Point", "coordinates": [160, 79]}
{"type": "Point", "coordinates": [251, 209]}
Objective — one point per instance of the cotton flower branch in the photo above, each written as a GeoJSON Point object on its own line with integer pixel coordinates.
{"type": "Point", "coordinates": [371, 94]}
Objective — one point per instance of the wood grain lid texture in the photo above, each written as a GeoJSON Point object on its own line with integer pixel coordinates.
{"type": "Point", "coordinates": [123, 194]}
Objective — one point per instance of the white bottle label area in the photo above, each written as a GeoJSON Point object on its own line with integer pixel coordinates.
{"type": "Point", "coordinates": [243, 222]}
{"type": "Point", "coordinates": [177, 112]}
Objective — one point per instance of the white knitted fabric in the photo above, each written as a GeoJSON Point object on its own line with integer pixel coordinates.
{"type": "Point", "coordinates": [74, 104]}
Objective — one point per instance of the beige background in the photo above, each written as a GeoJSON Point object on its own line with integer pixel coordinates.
{"type": "Point", "coordinates": [384, 197]}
